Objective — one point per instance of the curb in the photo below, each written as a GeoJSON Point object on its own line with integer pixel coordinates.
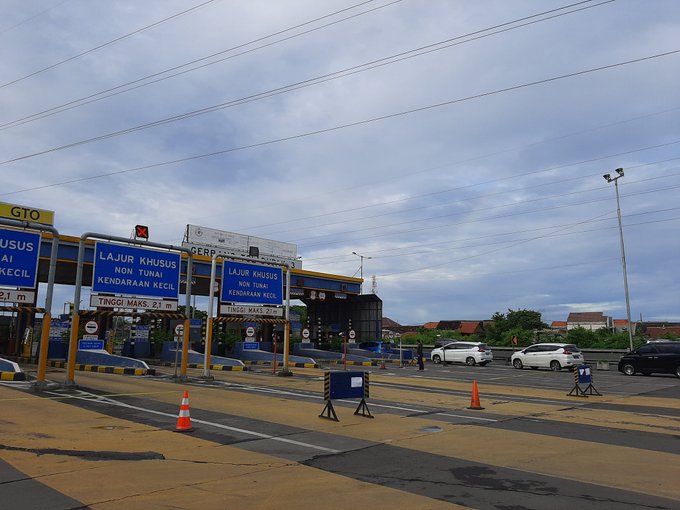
{"type": "Point", "coordinates": [12, 376]}
{"type": "Point", "coordinates": [102, 369]}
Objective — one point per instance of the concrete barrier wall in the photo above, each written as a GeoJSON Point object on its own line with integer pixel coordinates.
{"type": "Point", "coordinates": [103, 358]}
{"type": "Point", "coordinates": [9, 366]}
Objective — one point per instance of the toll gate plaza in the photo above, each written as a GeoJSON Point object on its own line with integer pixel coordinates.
{"type": "Point", "coordinates": [255, 439]}
{"type": "Point", "coordinates": [334, 302]}
{"type": "Point", "coordinates": [186, 436]}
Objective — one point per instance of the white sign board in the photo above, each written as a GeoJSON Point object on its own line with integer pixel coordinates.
{"type": "Point", "coordinates": [219, 251]}
{"type": "Point", "coordinates": [166, 305]}
{"type": "Point", "coordinates": [305, 333]}
{"type": "Point", "coordinates": [91, 328]}
{"type": "Point", "coordinates": [250, 332]}
{"type": "Point", "coordinates": [268, 311]}
{"type": "Point", "coordinates": [239, 242]}
{"type": "Point", "coordinates": [179, 330]}
{"type": "Point", "coordinates": [17, 296]}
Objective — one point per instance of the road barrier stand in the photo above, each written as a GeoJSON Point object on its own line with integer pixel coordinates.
{"type": "Point", "coordinates": [474, 402]}
{"type": "Point", "coordinates": [184, 420]}
{"type": "Point", "coordinates": [345, 385]}
{"type": "Point", "coordinates": [583, 375]}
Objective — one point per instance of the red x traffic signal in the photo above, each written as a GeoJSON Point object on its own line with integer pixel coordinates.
{"type": "Point", "coordinates": [141, 232]}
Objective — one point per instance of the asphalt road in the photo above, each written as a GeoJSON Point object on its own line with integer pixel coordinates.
{"type": "Point", "coordinates": [258, 442]}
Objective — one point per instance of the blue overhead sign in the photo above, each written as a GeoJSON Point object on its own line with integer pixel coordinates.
{"type": "Point", "coordinates": [122, 269]}
{"type": "Point", "coordinates": [19, 258]}
{"type": "Point", "coordinates": [251, 283]}
{"type": "Point", "coordinates": [89, 345]}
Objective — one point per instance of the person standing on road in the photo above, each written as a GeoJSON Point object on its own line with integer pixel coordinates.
{"type": "Point", "coordinates": [419, 352]}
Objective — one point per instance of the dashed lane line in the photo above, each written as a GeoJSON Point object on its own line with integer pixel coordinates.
{"type": "Point", "coordinates": [83, 395]}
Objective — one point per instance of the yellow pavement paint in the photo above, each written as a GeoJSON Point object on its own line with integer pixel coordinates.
{"type": "Point", "coordinates": [632, 469]}
{"type": "Point", "coordinates": [195, 473]}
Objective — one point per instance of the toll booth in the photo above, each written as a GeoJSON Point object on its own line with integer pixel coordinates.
{"type": "Point", "coordinates": [333, 301]}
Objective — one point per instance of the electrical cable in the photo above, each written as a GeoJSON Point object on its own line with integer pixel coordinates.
{"type": "Point", "coordinates": [31, 18]}
{"type": "Point", "coordinates": [477, 220]}
{"type": "Point", "coordinates": [113, 41]}
{"type": "Point", "coordinates": [471, 198]}
{"type": "Point", "coordinates": [334, 128]}
{"type": "Point", "coordinates": [105, 94]}
{"type": "Point", "coordinates": [319, 79]}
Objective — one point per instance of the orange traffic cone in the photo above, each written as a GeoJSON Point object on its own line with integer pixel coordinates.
{"type": "Point", "coordinates": [183, 420]}
{"type": "Point", "coordinates": [474, 403]}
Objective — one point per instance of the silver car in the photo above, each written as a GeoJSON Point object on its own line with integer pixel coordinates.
{"type": "Point", "coordinates": [549, 355]}
{"type": "Point", "coordinates": [470, 353]}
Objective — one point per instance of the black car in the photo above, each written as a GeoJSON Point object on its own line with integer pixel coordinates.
{"type": "Point", "coordinates": [659, 357]}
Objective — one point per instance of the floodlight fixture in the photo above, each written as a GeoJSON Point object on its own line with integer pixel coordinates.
{"type": "Point", "coordinates": [609, 178]}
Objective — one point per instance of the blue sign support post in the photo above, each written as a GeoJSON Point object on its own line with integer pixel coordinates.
{"type": "Point", "coordinates": [47, 313]}
{"type": "Point", "coordinates": [245, 282]}
{"type": "Point", "coordinates": [154, 276]}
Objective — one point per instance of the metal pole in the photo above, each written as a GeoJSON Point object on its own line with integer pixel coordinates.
{"type": "Point", "coordinates": [73, 340]}
{"type": "Point", "coordinates": [401, 355]}
{"type": "Point", "coordinates": [623, 263]}
{"type": "Point", "coordinates": [208, 326]}
{"type": "Point", "coordinates": [344, 355]}
{"type": "Point", "coordinates": [361, 270]}
{"type": "Point", "coordinates": [72, 348]}
{"type": "Point", "coordinates": [187, 321]}
{"type": "Point", "coordinates": [47, 315]}
{"type": "Point", "coordinates": [286, 331]}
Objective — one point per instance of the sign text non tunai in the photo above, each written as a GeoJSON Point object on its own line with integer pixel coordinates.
{"type": "Point", "coordinates": [251, 283]}
{"type": "Point", "coordinates": [120, 269]}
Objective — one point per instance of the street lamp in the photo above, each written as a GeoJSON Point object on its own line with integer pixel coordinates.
{"type": "Point", "coordinates": [361, 269]}
{"type": "Point", "coordinates": [609, 178]}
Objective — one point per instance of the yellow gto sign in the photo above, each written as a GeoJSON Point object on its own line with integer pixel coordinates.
{"type": "Point", "coordinates": [22, 213]}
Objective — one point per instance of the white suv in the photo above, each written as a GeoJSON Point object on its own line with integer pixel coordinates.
{"type": "Point", "coordinates": [552, 356]}
{"type": "Point", "coordinates": [470, 353]}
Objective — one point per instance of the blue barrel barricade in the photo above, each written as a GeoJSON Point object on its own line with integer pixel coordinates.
{"type": "Point", "coordinates": [583, 376]}
{"type": "Point", "coordinates": [345, 385]}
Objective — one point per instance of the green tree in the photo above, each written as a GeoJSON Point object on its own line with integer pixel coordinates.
{"type": "Point", "coordinates": [519, 323]}
{"type": "Point", "coordinates": [583, 338]}
{"type": "Point", "coordinates": [524, 319]}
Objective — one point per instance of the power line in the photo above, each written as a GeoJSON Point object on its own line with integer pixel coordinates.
{"type": "Point", "coordinates": [518, 243]}
{"type": "Point", "coordinates": [411, 173]}
{"type": "Point", "coordinates": [316, 80]}
{"type": "Point", "coordinates": [331, 129]}
{"type": "Point", "coordinates": [468, 199]}
{"type": "Point", "coordinates": [482, 183]}
{"type": "Point", "coordinates": [478, 220]}
{"type": "Point", "coordinates": [402, 251]}
{"type": "Point", "coordinates": [31, 18]}
{"type": "Point", "coordinates": [105, 94]}
{"type": "Point", "coordinates": [113, 41]}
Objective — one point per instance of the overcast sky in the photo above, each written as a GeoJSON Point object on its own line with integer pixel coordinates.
{"type": "Point", "coordinates": [460, 145]}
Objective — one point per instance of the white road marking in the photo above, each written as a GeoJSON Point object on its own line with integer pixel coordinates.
{"type": "Point", "coordinates": [467, 417]}
{"type": "Point", "coordinates": [104, 400]}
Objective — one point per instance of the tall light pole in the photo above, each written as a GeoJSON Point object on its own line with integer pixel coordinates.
{"type": "Point", "coordinates": [609, 178]}
{"type": "Point", "coordinates": [361, 269]}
